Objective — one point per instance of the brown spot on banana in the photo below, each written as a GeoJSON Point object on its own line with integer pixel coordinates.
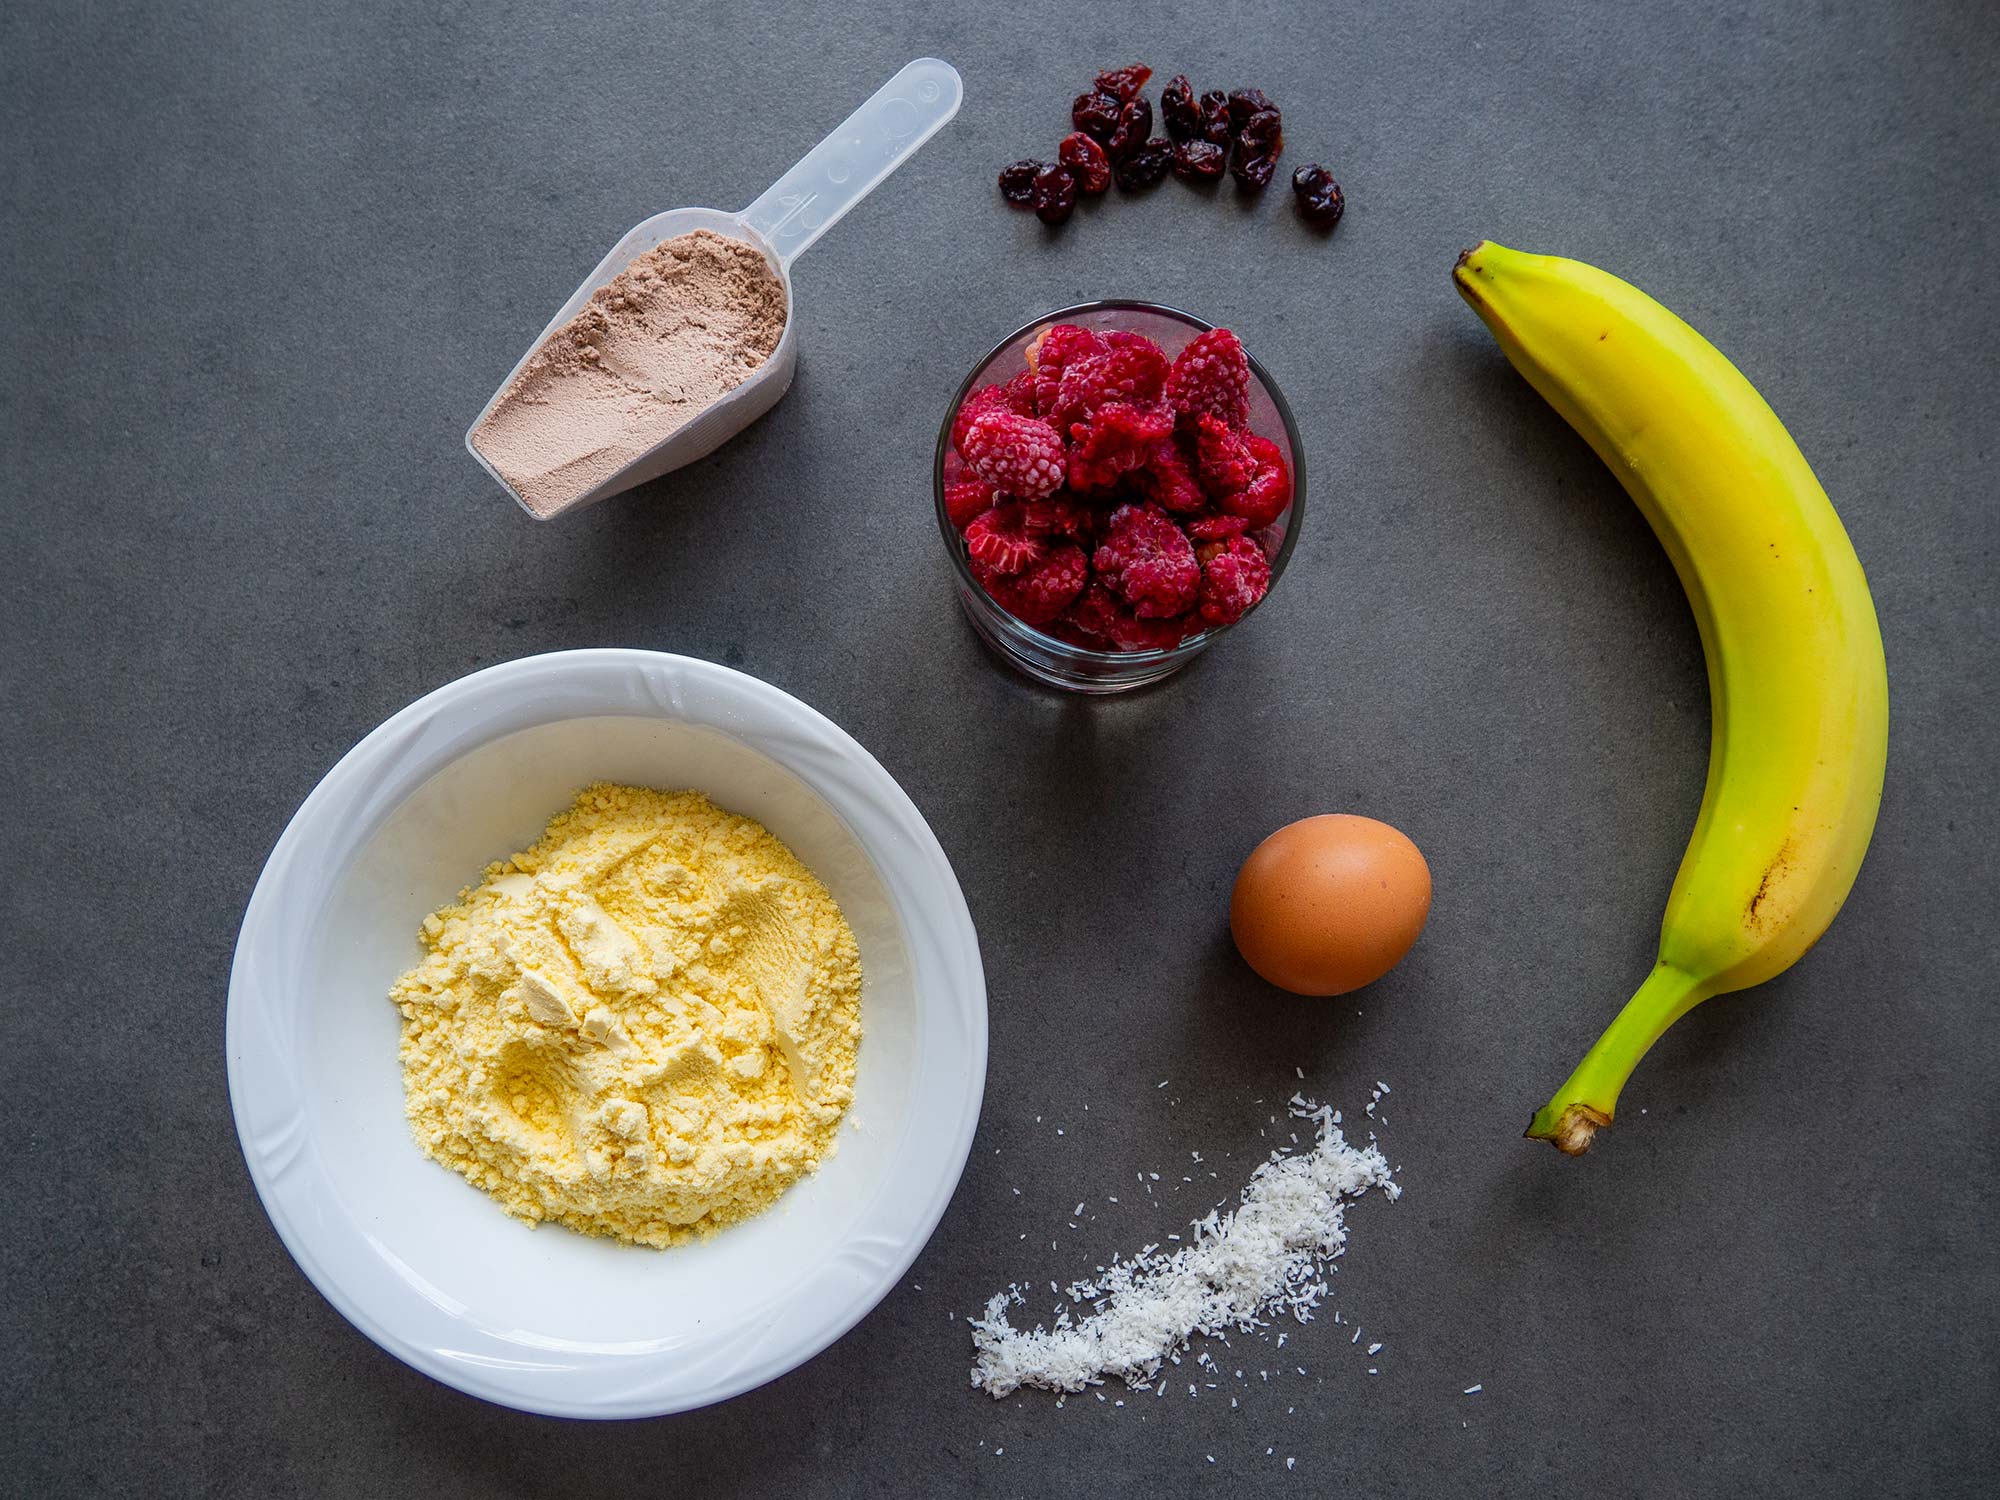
{"type": "Point", "coordinates": [1754, 915]}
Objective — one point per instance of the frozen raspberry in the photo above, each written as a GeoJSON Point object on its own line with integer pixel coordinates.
{"type": "Point", "coordinates": [987, 398]}
{"type": "Point", "coordinates": [1063, 628]}
{"type": "Point", "coordinates": [1021, 393]}
{"type": "Point", "coordinates": [1132, 373]}
{"type": "Point", "coordinates": [1234, 576]}
{"type": "Point", "coordinates": [1123, 84]}
{"type": "Point", "coordinates": [1062, 514]}
{"type": "Point", "coordinates": [1023, 456]}
{"type": "Point", "coordinates": [1168, 481]}
{"type": "Point", "coordinates": [1216, 528]}
{"type": "Point", "coordinates": [1269, 491]}
{"type": "Point", "coordinates": [1093, 612]}
{"type": "Point", "coordinates": [1041, 593]}
{"type": "Point", "coordinates": [1103, 620]}
{"type": "Point", "coordinates": [1126, 338]}
{"type": "Point", "coordinates": [1053, 348]}
{"type": "Point", "coordinates": [1000, 540]}
{"type": "Point", "coordinates": [1146, 559]}
{"type": "Point", "coordinates": [1212, 374]}
{"type": "Point", "coordinates": [965, 499]}
{"type": "Point", "coordinates": [1086, 162]}
{"type": "Point", "coordinates": [1117, 439]}
{"type": "Point", "coordinates": [1222, 459]}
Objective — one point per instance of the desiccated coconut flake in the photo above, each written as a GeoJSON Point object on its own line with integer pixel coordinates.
{"type": "Point", "coordinates": [1268, 1254]}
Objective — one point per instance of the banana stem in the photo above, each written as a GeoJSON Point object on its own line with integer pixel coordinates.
{"type": "Point", "coordinates": [1587, 1100]}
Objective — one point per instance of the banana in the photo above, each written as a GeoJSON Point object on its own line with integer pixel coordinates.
{"type": "Point", "coordinates": [1798, 688]}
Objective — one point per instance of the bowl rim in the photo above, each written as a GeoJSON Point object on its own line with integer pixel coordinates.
{"type": "Point", "coordinates": [268, 1097]}
{"type": "Point", "coordinates": [1295, 513]}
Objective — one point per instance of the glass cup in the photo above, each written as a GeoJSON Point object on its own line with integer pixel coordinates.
{"type": "Point", "coordinates": [1057, 663]}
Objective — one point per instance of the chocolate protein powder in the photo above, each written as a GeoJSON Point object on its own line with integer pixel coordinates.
{"type": "Point", "coordinates": [682, 325]}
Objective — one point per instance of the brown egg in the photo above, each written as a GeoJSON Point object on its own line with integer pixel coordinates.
{"type": "Point", "coordinates": [1328, 904]}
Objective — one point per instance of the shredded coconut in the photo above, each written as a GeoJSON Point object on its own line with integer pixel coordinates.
{"type": "Point", "coordinates": [1268, 1256]}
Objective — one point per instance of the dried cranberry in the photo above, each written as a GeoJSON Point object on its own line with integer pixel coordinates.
{"type": "Point", "coordinates": [1086, 161]}
{"type": "Point", "coordinates": [1263, 134]}
{"type": "Point", "coordinates": [1258, 146]}
{"type": "Point", "coordinates": [1254, 172]}
{"type": "Point", "coordinates": [1095, 114]}
{"type": "Point", "coordinates": [1055, 194]}
{"type": "Point", "coordinates": [1199, 161]}
{"type": "Point", "coordinates": [1177, 108]}
{"type": "Point", "coordinates": [1320, 198]}
{"type": "Point", "coordinates": [1017, 183]}
{"type": "Point", "coordinates": [1135, 123]}
{"type": "Point", "coordinates": [1123, 84]}
{"type": "Point", "coordinates": [1214, 107]}
{"type": "Point", "coordinates": [1146, 166]}
{"type": "Point", "coordinates": [1243, 103]}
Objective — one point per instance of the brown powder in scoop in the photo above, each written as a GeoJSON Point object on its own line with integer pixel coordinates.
{"type": "Point", "coordinates": [681, 326]}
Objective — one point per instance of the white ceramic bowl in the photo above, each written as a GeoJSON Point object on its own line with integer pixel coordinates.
{"type": "Point", "coordinates": [428, 1266]}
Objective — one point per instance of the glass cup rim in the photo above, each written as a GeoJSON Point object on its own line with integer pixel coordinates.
{"type": "Point", "coordinates": [954, 544]}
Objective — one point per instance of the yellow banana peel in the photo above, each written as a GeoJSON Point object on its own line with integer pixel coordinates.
{"type": "Point", "coordinates": [1798, 687]}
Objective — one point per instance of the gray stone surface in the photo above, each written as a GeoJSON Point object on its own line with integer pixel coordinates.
{"type": "Point", "coordinates": [259, 265]}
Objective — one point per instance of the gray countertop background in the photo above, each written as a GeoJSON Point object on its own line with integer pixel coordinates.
{"type": "Point", "coordinates": [260, 264]}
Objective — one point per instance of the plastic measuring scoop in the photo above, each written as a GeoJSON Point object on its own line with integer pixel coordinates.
{"type": "Point", "coordinates": [783, 223]}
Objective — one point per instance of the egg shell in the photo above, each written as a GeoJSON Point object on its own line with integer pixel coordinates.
{"type": "Point", "coordinates": [1328, 904]}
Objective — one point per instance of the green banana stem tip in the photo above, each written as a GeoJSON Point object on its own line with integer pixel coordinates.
{"type": "Point", "coordinates": [1588, 1099]}
{"type": "Point", "coordinates": [1571, 1132]}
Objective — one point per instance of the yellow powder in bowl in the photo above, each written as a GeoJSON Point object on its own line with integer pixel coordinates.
{"type": "Point", "coordinates": [643, 1027]}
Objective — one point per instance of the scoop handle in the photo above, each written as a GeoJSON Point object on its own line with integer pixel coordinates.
{"type": "Point", "coordinates": [845, 167]}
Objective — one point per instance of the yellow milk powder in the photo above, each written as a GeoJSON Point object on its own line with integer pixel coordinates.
{"type": "Point", "coordinates": [644, 1026]}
